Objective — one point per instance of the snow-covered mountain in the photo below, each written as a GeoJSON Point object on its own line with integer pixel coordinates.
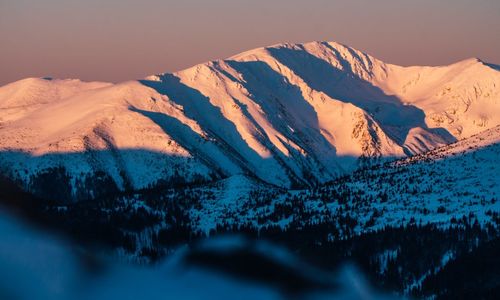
{"type": "Point", "coordinates": [437, 187]}
{"type": "Point", "coordinates": [442, 205]}
{"type": "Point", "coordinates": [287, 114]}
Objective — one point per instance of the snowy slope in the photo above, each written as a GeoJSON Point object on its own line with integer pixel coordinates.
{"type": "Point", "coordinates": [442, 186]}
{"type": "Point", "coordinates": [287, 114]}
{"type": "Point", "coordinates": [99, 130]}
{"type": "Point", "coordinates": [22, 97]}
{"type": "Point", "coordinates": [489, 137]}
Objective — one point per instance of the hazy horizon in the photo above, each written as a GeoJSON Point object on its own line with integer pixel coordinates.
{"type": "Point", "coordinates": [120, 40]}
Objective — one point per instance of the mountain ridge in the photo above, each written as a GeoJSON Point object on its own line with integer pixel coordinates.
{"type": "Point", "coordinates": [289, 114]}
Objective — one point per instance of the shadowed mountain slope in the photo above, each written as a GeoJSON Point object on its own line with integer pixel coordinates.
{"type": "Point", "coordinates": [290, 115]}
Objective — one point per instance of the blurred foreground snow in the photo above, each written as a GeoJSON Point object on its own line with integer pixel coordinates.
{"type": "Point", "coordinates": [36, 265]}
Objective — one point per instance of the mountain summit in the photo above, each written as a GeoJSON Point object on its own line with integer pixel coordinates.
{"type": "Point", "coordinates": [289, 114]}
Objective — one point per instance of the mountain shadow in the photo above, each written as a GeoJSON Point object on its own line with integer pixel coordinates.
{"type": "Point", "coordinates": [223, 133]}
{"type": "Point", "coordinates": [288, 112]}
{"type": "Point", "coordinates": [394, 117]}
{"type": "Point", "coordinates": [56, 177]}
{"type": "Point", "coordinates": [493, 66]}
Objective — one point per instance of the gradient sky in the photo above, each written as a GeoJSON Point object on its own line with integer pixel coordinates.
{"type": "Point", "coordinates": [116, 40]}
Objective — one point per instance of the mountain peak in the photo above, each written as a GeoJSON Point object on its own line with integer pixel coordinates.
{"type": "Point", "coordinates": [288, 114]}
{"type": "Point", "coordinates": [470, 61]}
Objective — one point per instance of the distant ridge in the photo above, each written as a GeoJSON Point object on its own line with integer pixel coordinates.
{"type": "Point", "coordinates": [290, 115]}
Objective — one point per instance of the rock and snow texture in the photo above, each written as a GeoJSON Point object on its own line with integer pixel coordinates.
{"type": "Point", "coordinates": [287, 114]}
{"type": "Point", "coordinates": [442, 187]}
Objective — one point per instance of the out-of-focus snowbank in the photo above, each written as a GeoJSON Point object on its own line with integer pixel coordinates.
{"type": "Point", "coordinates": [35, 264]}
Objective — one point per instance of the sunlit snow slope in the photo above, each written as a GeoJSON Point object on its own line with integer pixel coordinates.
{"type": "Point", "coordinates": [287, 114]}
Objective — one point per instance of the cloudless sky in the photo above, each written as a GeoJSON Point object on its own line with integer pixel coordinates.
{"type": "Point", "coordinates": [116, 40]}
